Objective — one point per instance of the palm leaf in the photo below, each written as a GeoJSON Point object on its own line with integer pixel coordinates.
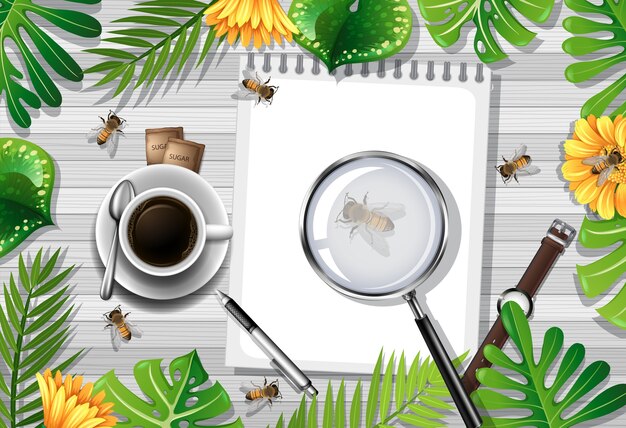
{"type": "Point", "coordinates": [15, 22]}
{"type": "Point", "coordinates": [156, 52]}
{"type": "Point", "coordinates": [610, 18]}
{"type": "Point", "coordinates": [417, 405]}
{"type": "Point", "coordinates": [29, 342]}
{"type": "Point", "coordinates": [539, 405]}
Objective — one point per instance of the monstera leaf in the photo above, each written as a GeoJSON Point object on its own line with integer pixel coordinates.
{"type": "Point", "coordinates": [609, 17]}
{"type": "Point", "coordinates": [26, 184]}
{"type": "Point", "coordinates": [445, 19]}
{"type": "Point", "coordinates": [337, 35]}
{"type": "Point", "coordinates": [15, 23]}
{"type": "Point", "coordinates": [597, 277]}
{"type": "Point", "coordinates": [540, 405]}
{"type": "Point", "coordinates": [170, 402]}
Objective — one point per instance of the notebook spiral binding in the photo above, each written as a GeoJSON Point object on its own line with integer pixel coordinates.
{"type": "Point", "coordinates": [381, 68]}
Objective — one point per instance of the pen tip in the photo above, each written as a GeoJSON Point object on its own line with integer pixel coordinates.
{"type": "Point", "coordinates": [220, 295]}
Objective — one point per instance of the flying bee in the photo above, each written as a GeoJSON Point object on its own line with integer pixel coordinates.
{"type": "Point", "coordinates": [254, 86]}
{"type": "Point", "coordinates": [373, 222]}
{"type": "Point", "coordinates": [121, 328]}
{"type": "Point", "coordinates": [603, 166]}
{"type": "Point", "coordinates": [266, 392]}
{"type": "Point", "coordinates": [109, 131]}
{"type": "Point", "coordinates": [518, 161]}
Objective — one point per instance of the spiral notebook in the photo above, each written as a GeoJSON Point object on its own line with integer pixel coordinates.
{"type": "Point", "coordinates": [434, 113]}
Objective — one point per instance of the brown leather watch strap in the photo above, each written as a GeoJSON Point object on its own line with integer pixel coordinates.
{"type": "Point", "coordinates": [558, 237]}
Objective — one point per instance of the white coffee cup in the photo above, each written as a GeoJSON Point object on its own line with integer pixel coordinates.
{"type": "Point", "coordinates": [206, 232]}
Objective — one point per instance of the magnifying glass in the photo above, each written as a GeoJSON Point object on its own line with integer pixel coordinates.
{"type": "Point", "coordinates": [374, 226]}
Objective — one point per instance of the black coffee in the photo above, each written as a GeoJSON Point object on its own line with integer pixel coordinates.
{"type": "Point", "coordinates": [162, 231]}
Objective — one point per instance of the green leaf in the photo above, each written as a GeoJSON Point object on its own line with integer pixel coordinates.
{"type": "Point", "coordinates": [15, 295]}
{"type": "Point", "coordinates": [599, 276]}
{"type": "Point", "coordinates": [47, 304]}
{"type": "Point", "coordinates": [327, 422]}
{"type": "Point", "coordinates": [538, 406]}
{"type": "Point", "coordinates": [26, 185]}
{"type": "Point", "coordinates": [34, 342]}
{"type": "Point", "coordinates": [435, 402]}
{"type": "Point", "coordinates": [49, 267]}
{"type": "Point", "coordinates": [312, 416]}
{"type": "Point", "coordinates": [166, 397]}
{"type": "Point", "coordinates": [156, 43]}
{"type": "Point", "coordinates": [425, 411]}
{"type": "Point", "coordinates": [355, 407]}
{"type": "Point", "coordinates": [12, 312]}
{"type": "Point", "coordinates": [411, 382]}
{"type": "Point", "coordinates": [7, 333]}
{"type": "Point", "coordinates": [34, 270]}
{"type": "Point", "coordinates": [610, 18]}
{"type": "Point", "coordinates": [418, 421]}
{"type": "Point", "coordinates": [20, 20]}
{"type": "Point", "coordinates": [34, 386]}
{"type": "Point", "coordinates": [387, 389]}
{"type": "Point", "coordinates": [340, 407]}
{"type": "Point", "coordinates": [53, 283]}
{"type": "Point", "coordinates": [445, 21]}
{"type": "Point", "coordinates": [400, 382]}
{"type": "Point", "coordinates": [46, 316]}
{"type": "Point", "coordinates": [372, 397]}
{"type": "Point", "coordinates": [331, 31]}
{"type": "Point", "coordinates": [208, 42]}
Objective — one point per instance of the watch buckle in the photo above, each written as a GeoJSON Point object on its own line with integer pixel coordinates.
{"type": "Point", "coordinates": [564, 229]}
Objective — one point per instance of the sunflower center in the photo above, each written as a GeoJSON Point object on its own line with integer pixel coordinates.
{"type": "Point", "coordinates": [619, 172]}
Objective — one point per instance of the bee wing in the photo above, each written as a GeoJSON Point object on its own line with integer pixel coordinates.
{"type": "Point", "coordinates": [112, 142]}
{"type": "Point", "coordinates": [248, 74]}
{"type": "Point", "coordinates": [594, 160]}
{"type": "Point", "coordinates": [245, 95]}
{"type": "Point", "coordinates": [604, 175]}
{"type": "Point", "coordinates": [92, 135]}
{"type": "Point", "coordinates": [375, 240]}
{"type": "Point", "coordinates": [529, 169]}
{"type": "Point", "coordinates": [392, 210]}
{"type": "Point", "coordinates": [134, 330]}
{"type": "Point", "coordinates": [521, 151]}
{"type": "Point", "coordinates": [116, 338]}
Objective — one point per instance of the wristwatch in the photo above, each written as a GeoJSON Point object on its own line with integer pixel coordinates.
{"type": "Point", "coordinates": [559, 236]}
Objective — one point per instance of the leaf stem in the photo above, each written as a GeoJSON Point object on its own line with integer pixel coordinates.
{"type": "Point", "coordinates": [400, 410]}
{"type": "Point", "coordinates": [17, 358]}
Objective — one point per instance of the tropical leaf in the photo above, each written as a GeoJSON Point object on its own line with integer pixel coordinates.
{"type": "Point", "coordinates": [184, 397]}
{"type": "Point", "coordinates": [26, 185]}
{"type": "Point", "coordinates": [163, 35]}
{"type": "Point", "coordinates": [540, 405]}
{"type": "Point", "coordinates": [337, 35]}
{"type": "Point", "coordinates": [444, 21]}
{"type": "Point", "coordinates": [16, 22]}
{"type": "Point", "coordinates": [597, 277]}
{"type": "Point", "coordinates": [29, 343]}
{"type": "Point", "coordinates": [394, 397]}
{"type": "Point", "coordinates": [609, 17]}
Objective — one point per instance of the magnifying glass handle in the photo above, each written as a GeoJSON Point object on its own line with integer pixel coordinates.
{"type": "Point", "coordinates": [466, 407]}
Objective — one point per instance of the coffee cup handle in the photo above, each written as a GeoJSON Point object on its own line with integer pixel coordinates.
{"type": "Point", "coordinates": [218, 232]}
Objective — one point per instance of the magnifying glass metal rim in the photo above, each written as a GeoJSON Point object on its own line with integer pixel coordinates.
{"type": "Point", "coordinates": [443, 210]}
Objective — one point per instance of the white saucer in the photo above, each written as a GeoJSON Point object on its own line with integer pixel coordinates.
{"type": "Point", "coordinates": [211, 258]}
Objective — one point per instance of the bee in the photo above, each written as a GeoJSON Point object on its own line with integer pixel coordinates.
{"type": "Point", "coordinates": [603, 166]}
{"type": "Point", "coordinates": [109, 131]}
{"type": "Point", "coordinates": [266, 392]}
{"type": "Point", "coordinates": [121, 328]}
{"type": "Point", "coordinates": [372, 222]}
{"type": "Point", "coordinates": [518, 161]}
{"type": "Point", "coordinates": [253, 85]}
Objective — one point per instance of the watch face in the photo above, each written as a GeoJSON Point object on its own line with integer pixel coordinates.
{"type": "Point", "coordinates": [518, 296]}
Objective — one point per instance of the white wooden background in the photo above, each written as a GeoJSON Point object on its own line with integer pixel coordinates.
{"type": "Point", "coordinates": [531, 103]}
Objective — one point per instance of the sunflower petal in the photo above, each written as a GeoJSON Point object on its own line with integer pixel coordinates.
{"type": "Point", "coordinates": [244, 11]}
{"type": "Point", "coordinates": [267, 16]}
{"type": "Point", "coordinates": [587, 190]}
{"type": "Point", "coordinates": [620, 199]}
{"type": "Point", "coordinates": [56, 410]}
{"type": "Point", "coordinates": [620, 133]}
{"type": "Point", "coordinates": [606, 201]}
{"type": "Point", "coordinates": [581, 149]}
{"type": "Point", "coordinates": [575, 170]}
{"type": "Point", "coordinates": [606, 129]}
{"type": "Point", "coordinates": [587, 134]}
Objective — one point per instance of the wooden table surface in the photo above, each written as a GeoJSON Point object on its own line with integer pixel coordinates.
{"type": "Point", "coordinates": [531, 103]}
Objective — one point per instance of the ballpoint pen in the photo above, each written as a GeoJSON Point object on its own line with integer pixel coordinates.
{"type": "Point", "coordinates": [278, 357]}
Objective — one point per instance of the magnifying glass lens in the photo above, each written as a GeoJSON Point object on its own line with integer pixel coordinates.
{"type": "Point", "coordinates": [374, 226]}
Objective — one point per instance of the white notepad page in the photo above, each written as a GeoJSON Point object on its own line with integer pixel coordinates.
{"type": "Point", "coordinates": [281, 149]}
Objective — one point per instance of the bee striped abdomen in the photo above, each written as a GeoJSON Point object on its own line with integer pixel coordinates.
{"type": "Point", "coordinates": [255, 394]}
{"type": "Point", "coordinates": [522, 162]}
{"type": "Point", "coordinates": [103, 136]}
{"type": "Point", "coordinates": [599, 167]}
{"type": "Point", "coordinates": [380, 223]}
{"type": "Point", "coordinates": [250, 84]}
{"type": "Point", "coordinates": [125, 332]}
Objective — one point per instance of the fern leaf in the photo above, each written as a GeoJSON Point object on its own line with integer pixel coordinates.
{"type": "Point", "coordinates": [387, 388]}
{"type": "Point", "coordinates": [340, 407]}
{"type": "Point", "coordinates": [312, 416]}
{"type": "Point", "coordinates": [26, 346]}
{"type": "Point", "coordinates": [372, 398]}
{"type": "Point", "coordinates": [327, 422]}
{"type": "Point", "coordinates": [355, 408]}
{"type": "Point", "coordinates": [400, 382]}
{"type": "Point", "coordinates": [158, 26]}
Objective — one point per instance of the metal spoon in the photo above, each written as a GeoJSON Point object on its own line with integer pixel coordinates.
{"type": "Point", "coordinates": [121, 197]}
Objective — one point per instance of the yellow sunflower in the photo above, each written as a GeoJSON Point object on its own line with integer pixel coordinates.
{"type": "Point", "coordinates": [258, 19]}
{"type": "Point", "coordinates": [585, 160]}
{"type": "Point", "coordinates": [68, 404]}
